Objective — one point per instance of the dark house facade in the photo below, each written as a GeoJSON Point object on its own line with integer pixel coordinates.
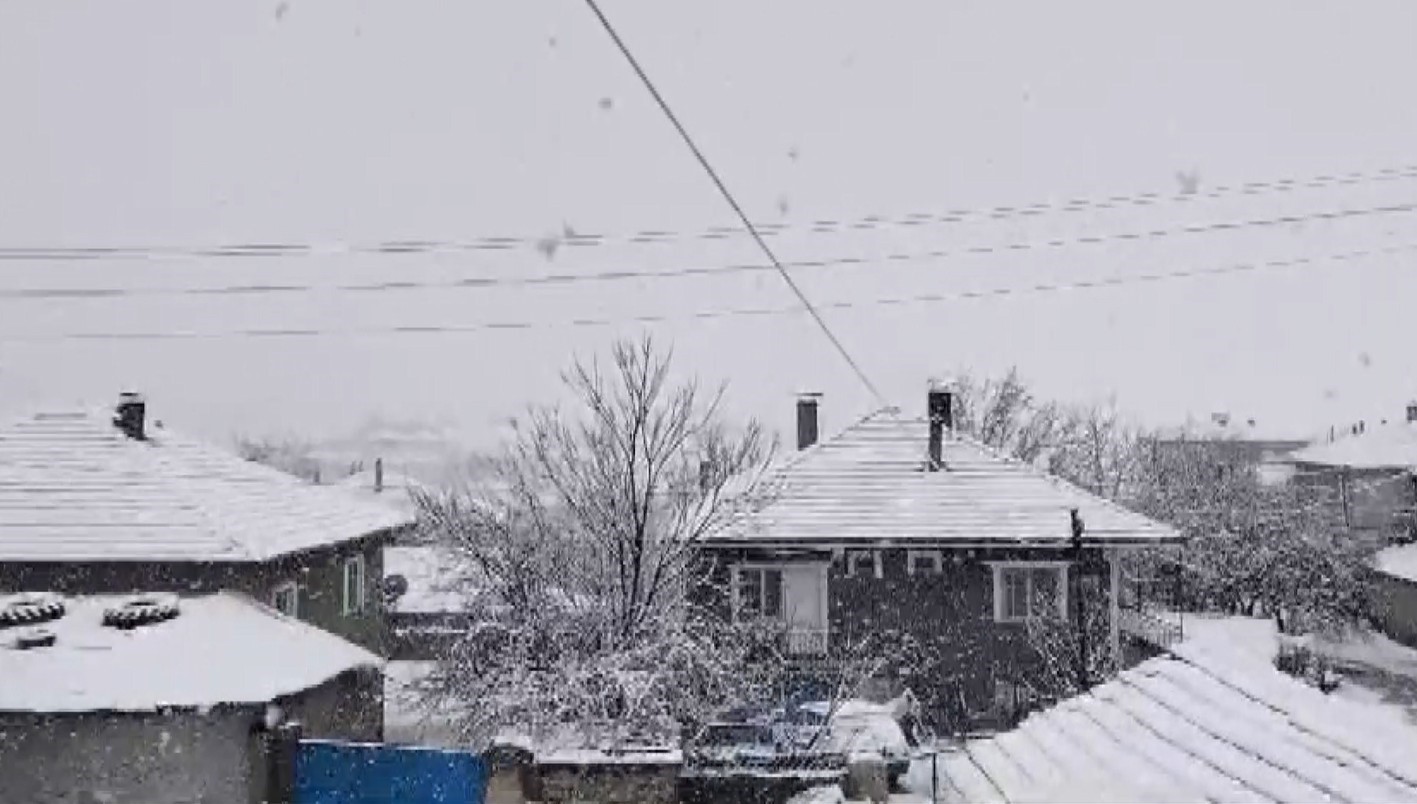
{"type": "Point", "coordinates": [1369, 478]}
{"type": "Point", "coordinates": [93, 503]}
{"type": "Point", "coordinates": [905, 529]}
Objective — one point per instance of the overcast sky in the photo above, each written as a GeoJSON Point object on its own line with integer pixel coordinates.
{"type": "Point", "coordinates": [181, 124]}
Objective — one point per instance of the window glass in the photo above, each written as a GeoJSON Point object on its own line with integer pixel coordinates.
{"type": "Point", "coordinates": [750, 592]}
{"type": "Point", "coordinates": [354, 585]}
{"type": "Point", "coordinates": [863, 564]}
{"type": "Point", "coordinates": [772, 593]}
{"type": "Point", "coordinates": [1015, 593]}
{"type": "Point", "coordinates": [285, 599]}
{"type": "Point", "coordinates": [1044, 595]}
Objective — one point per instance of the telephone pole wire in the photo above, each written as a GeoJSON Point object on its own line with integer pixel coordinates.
{"type": "Point", "coordinates": [732, 202]}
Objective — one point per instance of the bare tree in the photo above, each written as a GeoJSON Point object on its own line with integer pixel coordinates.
{"type": "Point", "coordinates": [582, 551]}
{"type": "Point", "coordinates": [289, 455]}
{"type": "Point", "coordinates": [1252, 548]}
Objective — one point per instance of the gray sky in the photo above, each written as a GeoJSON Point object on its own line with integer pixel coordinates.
{"type": "Point", "coordinates": [192, 124]}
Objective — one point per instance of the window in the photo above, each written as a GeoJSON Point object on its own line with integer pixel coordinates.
{"type": "Point", "coordinates": [863, 564]}
{"type": "Point", "coordinates": [286, 599]}
{"type": "Point", "coordinates": [759, 593]}
{"type": "Point", "coordinates": [354, 585]}
{"type": "Point", "coordinates": [1027, 591]}
{"type": "Point", "coordinates": [923, 562]}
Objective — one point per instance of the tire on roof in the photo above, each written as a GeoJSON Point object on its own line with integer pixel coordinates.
{"type": "Point", "coordinates": [141, 610]}
{"type": "Point", "coordinates": [30, 609]}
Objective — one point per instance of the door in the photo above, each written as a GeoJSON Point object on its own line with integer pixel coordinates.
{"type": "Point", "coordinates": [804, 598]}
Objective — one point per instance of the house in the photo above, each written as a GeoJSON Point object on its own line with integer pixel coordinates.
{"type": "Point", "coordinates": [1205, 722]}
{"type": "Point", "coordinates": [93, 502]}
{"type": "Point", "coordinates": [1392, 592]}
{"type": "Point", "coordinates": [159, 698]}
{"type": "Point", "coordinates": [905, 525]}
{"type": "Point", "coordinates": [1371, 477]}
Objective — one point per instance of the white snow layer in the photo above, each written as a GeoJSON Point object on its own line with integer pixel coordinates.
{"type": "Point", "coordinates": [1399, 561]}
{"type": "Point", "coordinates": [223, 648]}
{"type": "Point", "coordinates": [1216, 721]}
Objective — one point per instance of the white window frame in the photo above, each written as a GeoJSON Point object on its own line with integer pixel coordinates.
{"type": "Point", "coordinates": [817, 639]}
{"type": "Point", "coordinates": [854, 556]}
{"type": "Point", "coordinates": [356, 605]}
{"type": "Point", "coordinates": [936, 556]}
{"type": "Point", "coordinates": [293, 589]}
{"type": "Point", "coordinates": [738, 570]}
{"type": "Point", "coordinates": [1059, 567]}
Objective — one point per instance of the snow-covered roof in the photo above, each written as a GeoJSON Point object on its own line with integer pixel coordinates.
{"type": "Point", "coordinates": [438, 580]}
{"type": "Point", "coordinates": [1385, 446]}
{"type": "Point", "coordinates": [869, 484]}
{"type": "Point", "coordinates": [396, 491]}
{"type": "Point", "coordinates": [220, 648]}
{"type": "Point", "coordinates": [1210, 723]}
{"type": "Point", "coordinates": [73, 487]}
{"type": "Point", "coordinates": [1398, 560]}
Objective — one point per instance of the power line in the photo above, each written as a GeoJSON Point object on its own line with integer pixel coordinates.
{"type": "Point", "coordinates": [255, 250]}
{"type": "Point", "coordinates": [464, 283]}
{"type": "Point", "coordinates": [989, 293]}
{"type": "Point", "coordinates": [732, 202]}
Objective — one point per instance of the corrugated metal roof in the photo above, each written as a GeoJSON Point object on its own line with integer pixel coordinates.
{"type": "Point", "coordinates": [870, 483]}
{"type": "Point", "coordinates": [75, 488]}
{"type": "Point", "coordinates": [1193, 727]}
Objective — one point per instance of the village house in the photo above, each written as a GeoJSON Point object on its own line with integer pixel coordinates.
{"type": "Point", "coordinates": [110, 502]}
{"type": "Point", "coordinates": [1370, 476]}
{"type": "Point", "coordinates": [903, 524]}
{"type": "Point", "coordinates": [159, 698]}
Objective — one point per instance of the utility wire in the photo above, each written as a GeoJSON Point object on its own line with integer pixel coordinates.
{"type": "Point", "coordinates": [732, 202]}
{"type": "Point", "coordinates": [1042, 288]}
{"type": "Point", "coordinates": [575, 239]}
{"type": "Point", "coordinates": [473, 282]}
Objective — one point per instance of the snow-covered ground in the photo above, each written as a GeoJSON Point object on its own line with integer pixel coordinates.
{"type": "Point", "coordinates": [407, 719]}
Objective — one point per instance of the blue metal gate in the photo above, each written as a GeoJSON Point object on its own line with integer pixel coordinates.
{"type": "Point", "coordinates": [370, 773]}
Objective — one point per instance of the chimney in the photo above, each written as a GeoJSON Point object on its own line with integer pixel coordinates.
{"type": "Point", "coordinates": [378, 475]}
{"type": "Point", "coordinates": [940, 405]}
{"type": "Point", "coordinates": [807, 419]}
{"type": "Point", "coordinates": [129, 414]}
{"type": "Point", "coordinates": [705, 476]}
{"type": "Point", "coordinates": [1412, 412]}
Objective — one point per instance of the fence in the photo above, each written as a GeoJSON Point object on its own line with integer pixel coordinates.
{"type": "Point", "coordinates": [329, 772]}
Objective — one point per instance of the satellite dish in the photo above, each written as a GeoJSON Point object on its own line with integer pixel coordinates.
{"type": "Point", "coordinates": [395, 587]}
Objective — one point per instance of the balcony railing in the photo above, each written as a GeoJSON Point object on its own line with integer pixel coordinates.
{"type": "Point", "coordinates": [806, 641]}
{"type": "Point", "coordinates": [1153, 626]}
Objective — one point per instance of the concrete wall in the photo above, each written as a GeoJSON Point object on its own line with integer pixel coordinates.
{"type": "Point", "coordinates": [347, 707]}
{"type": "Point", "coordinates": [148, 759]}
{"type": "Point", "coordinates": [1394, 603]}
{"type": "Point", "coordinates": [319, 574]}
{"type": "Point", "coordinates": [960, 650]}
{"type": "Point", "coordinates": [173, 758]}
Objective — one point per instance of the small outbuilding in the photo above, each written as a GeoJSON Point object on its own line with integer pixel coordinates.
{"type": "Point", "coordinates": [156, 698]}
